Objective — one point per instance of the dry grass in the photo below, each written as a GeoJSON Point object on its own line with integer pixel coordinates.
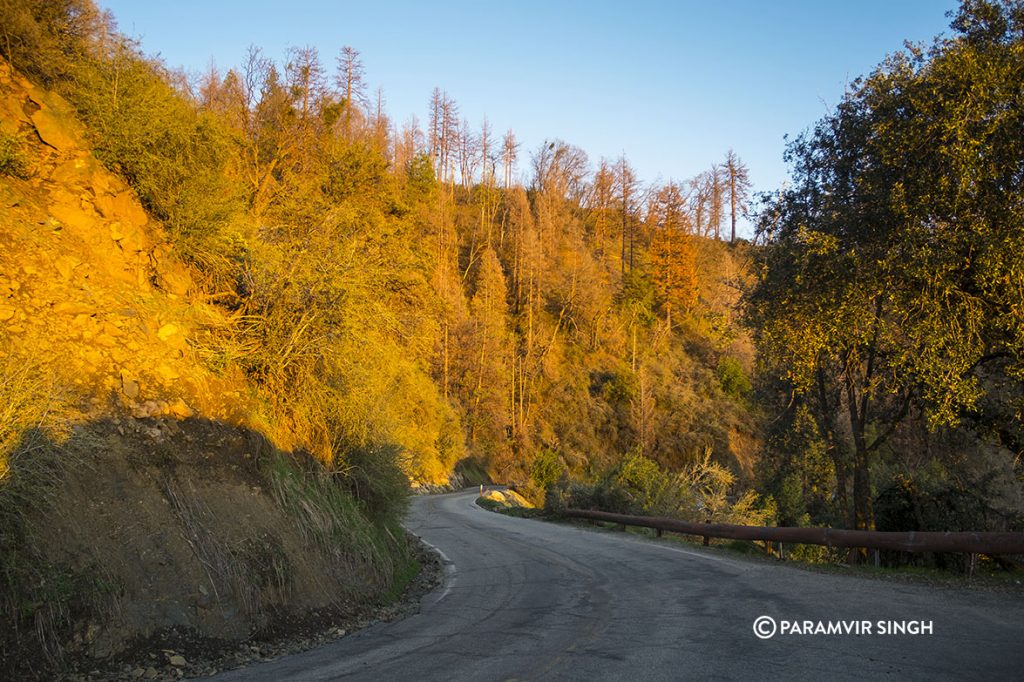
{"type": "Point", "coordinates": [12, 156]}
{"type": "Point", "coordinates": [29, 406]}
{"type": "Point", "coordinates": [367, 554]}
{"type": "Point", "coordinates": [34, 419]}
{"type": "Point", "coordinates": [38, 598]}
{"type": "Point", "coordinates": [247, 568]}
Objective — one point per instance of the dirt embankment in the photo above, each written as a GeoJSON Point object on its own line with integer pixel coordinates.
{"type": "Point", "coordinates": [182, 545]}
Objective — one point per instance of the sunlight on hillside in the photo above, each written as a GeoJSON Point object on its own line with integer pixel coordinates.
{"type": "Point", "coordinates": [250, 296]}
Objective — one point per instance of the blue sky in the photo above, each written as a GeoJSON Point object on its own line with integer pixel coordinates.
{"type": "Point", "coordinates": [673, 85]}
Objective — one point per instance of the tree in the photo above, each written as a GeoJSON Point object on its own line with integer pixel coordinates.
{"type": "Point", "coordinates": [626, 184]}
{"type": "Point", "coordinates": [715, 193]}
{"type": "Point", "coordinates": [673, 251]}
{"type": "Point", "coordinates": [350, 77]}
{"type": "Point", "coordinates": [599, 204]}
{"type": "Point", "coordinates": [306, 78]}
{"type": "Point", "coordinates": [467, 146]}
{"type": "Point", "coordinates": [51, 39]}
{"type": "Point", "coordinates": [270, 143]}
{"type": "Point", "coordinates": [674, 262]}
{"type": "Point", "coordinates": [509, 154]}
{"type": "Point", "coordinates": [488, 391]}
{"type": "Point", "coordinates": [737, 187]}
{"type": "Point", "coordinates": [700, 197]}
{"type": "Point", "coordinates": [892, 273]}
{"type": "Point", "coordinates": [486, 154]}
{"type": "Point", "coordinates": [381, 125]}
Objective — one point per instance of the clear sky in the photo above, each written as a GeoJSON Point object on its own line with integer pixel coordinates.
{"type": "Point", "coordinates": [674, 85]}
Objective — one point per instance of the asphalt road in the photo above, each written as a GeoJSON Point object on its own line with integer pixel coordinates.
{"type": "Point", "coordinates": [529, 600]}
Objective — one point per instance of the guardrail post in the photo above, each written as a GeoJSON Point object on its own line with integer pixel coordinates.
{"type": "Point", "coordinates": [658, 532]}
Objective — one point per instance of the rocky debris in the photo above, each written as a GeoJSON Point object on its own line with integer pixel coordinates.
{"type": "Point", "coordinates": [53, 130]}
{"type": "Point", "coordinates": [91, 290]}
{"type": "Point", "coordinates": [129, 386]}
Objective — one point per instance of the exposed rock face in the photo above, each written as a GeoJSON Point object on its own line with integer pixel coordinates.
{"type": "Point", "coordinates": [89, 285]}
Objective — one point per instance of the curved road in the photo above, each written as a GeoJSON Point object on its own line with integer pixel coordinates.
{"type": "Point", "coordinates": [530, 600]}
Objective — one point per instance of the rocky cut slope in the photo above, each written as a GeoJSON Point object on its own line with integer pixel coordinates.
{"type": "Point", "coordinates": [90, 288]}
{"type": "Point", "coordinates": [139, 508]}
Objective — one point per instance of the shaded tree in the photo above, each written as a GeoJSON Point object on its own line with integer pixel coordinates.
{"type": "Point", "coordinates": [892, 274]}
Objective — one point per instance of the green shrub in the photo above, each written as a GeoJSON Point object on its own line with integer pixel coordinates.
{"type": "Point", "coordinates": [375, 476]}
{"type": "Point", "coordinates": [734, 380]}
{"type": "Point", "coordinates": [547, 468]}
{"type": "Point", "coordinates": [642, 481]}
{"type": "Point", "coordinates": [702, 491]}
{"type": "Point", "coordinates": [488, 504]}
{"type": "Point", "coordinates": [12, 158]}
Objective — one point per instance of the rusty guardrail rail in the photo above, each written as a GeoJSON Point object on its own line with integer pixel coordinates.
{"type": "Point", "coordinates": [912, 541]}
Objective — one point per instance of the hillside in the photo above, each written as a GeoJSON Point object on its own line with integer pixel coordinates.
{"type": "Point", "coordinates": [140, 508]}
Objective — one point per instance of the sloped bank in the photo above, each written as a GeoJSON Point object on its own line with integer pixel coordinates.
{"type": "Point", "coordinates": [157, 547]}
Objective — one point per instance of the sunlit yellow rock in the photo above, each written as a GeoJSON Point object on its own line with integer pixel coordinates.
{"type": "Point", "coordinates": [123, 206]}
{"type": "Point", "coordinates": [507, 498]}
{"type": "Point", "coordinates": [179, 409]}
{"type": "Point", "coordinates": [167, 373]}
{"type": "Point", "coordinates": [66, 265]}
{"type": "Point", "coordinates": [93, 357]}
{"type": "Point", "coordinates": [73, 217]}
{"type": "Point", "coordinates": [73, 308]}
{"type": "Point", "coordinates": [167, 331]}
{"type": "Point", "coordinates": [54, 130]}
{"type": "Point", "coordinates": [129, 386]}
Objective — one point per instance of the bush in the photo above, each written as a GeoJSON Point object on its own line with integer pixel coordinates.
{"type": "Point", "coordinates": [12, 159]}
{"type": "Point", "coordinates": [547, 468]}
{"type": "Point", "coordinates": [734, 380]}
{"type": "Point", "coordinates": [374, 475]}
{"type": "Point", "coordinates": [602, 496]}
{"type": "Point", "coordinates": [702, 491]}
{"type": "Point", "coordinates": [489, 504]}
{"type": "Point", "coordinates": [642, 481]}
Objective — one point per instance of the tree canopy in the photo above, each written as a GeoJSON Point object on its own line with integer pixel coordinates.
{"type": "Point", "coordinates": [892, 275]}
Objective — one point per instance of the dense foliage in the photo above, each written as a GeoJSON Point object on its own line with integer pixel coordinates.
{"type": "Point", "coordinates": [890, 288]}
{"type": "Point", "coordinates": [390, 293]}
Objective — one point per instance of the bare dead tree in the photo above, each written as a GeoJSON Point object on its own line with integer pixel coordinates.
{"type": "Point", "coordinates": [737, 178]}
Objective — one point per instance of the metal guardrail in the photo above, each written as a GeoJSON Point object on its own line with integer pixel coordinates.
{"type": "Point", "coordinates": [912, 541]}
